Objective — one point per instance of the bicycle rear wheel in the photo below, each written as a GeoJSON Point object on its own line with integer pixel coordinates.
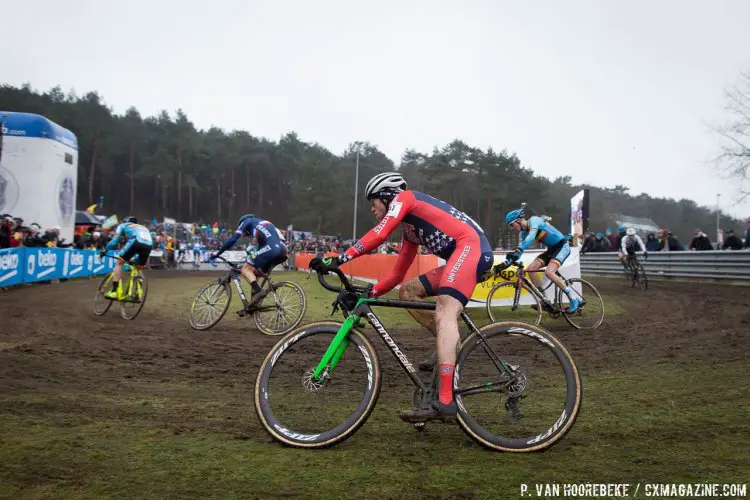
{"type": "Point", "coordinates": [529, 407]}
{"type": "Point", "coordinates": [300, 412]}
{"type": "Point", "coordinates": [133, 303]}
{"type": "Point", "coordinates": [282, 309]}
{"type": "Point", "coordinates": [209, 305]}
{"type": "Point", "coordinates": [500, 304]}
{"type": "Point", "coordinates": [642, 277]}
{"type": "Point", "coordinates": [590, 314]}
{"type": "Point", "coordinates": [101, 304]}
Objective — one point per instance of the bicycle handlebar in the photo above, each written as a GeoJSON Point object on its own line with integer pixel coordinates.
{"type": "Point", "coordinates": [505, 265]}
{"type": "Point", "coordinates": [348, 286]}
{"type": "Point", "coordinates": [126, 265]}
{"type": "Point", "coordinates": [234, 266]}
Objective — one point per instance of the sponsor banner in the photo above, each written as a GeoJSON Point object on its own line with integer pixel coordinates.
{"type": "Point", "coordinates": [43, 264]}
{"type": "Point", "coordinates": [29, 265]}
{"type": "Point", "coordinates": [374, 267]}
{"type": "Point", "coordinates": [571, 268]}
{"type": "Point", "coordinates": [11, 266]}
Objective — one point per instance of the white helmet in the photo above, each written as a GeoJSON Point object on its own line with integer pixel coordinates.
{"type": "Point", "coordinates": [388, 182]}
{"type": "Point", "coordinates": [630, 231]}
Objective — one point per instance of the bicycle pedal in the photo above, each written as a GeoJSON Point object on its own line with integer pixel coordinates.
{"type": "Point", "coordinates": [416, 421]}
{"type": "Point", "coordinates": [246, 312]}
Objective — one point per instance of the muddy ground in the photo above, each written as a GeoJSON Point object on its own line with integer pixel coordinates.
{"type": "Point", "coordinates": [51, 340]}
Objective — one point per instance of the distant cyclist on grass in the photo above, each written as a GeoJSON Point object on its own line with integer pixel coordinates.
{"type": "Point", "coordinates": [537, 229]}
{"type": "Point", "coordinates": [137, 241]}
{"type": "Point", "coordinates": [271, 251]}
{"type": "Point", "coordinates": [444, 231]}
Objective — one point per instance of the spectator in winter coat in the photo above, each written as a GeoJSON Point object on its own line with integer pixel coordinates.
{"type": "Point", "coordinates": [662, 239]}
{"type": "Point", "coordinates": [588, 242]}
{"type": "Point", "coordinates": [673, 244]}
{"type": "Point", "coordinates": [700, 241]}
{"type": "Point", "coordinates": [618, 238]}
{"type": "Point", "coordinates": [668, 242]}
{"type": "Point", "coordinates": [33, 238]}
{"type": "Point", "coordinates": [732, 241]}
{"type": "Point", "coordinates": [52, 236]}
{"type": "Point", "coordinates": [7, 227]}
{"type": "Point", "coordinates": [16, 237]}
{"type": "Point", "coordinates": [652, 244]}
{"type": "Point", "coordinates": [601, 244]}
{"type": "Point", "coordinates": [612, 238]}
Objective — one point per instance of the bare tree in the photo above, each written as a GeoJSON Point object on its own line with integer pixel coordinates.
{"type": "Point", "coordinates": [734, 155]}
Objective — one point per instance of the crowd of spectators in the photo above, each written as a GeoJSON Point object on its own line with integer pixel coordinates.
{"type": "Point", "coordinates": [324, 244]}
{"type": "Point", "coordinates": [663, 241]}
{"type": "Point", "coordinates": [14, 233]}
{"type": "Point", "coordinates": [167, 237]}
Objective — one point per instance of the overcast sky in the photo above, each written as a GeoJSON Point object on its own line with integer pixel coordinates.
{"type": "Point", "coordinates": [609, 92]}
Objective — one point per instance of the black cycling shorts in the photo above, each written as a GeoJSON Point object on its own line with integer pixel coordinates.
{"type": "Point", "coordinates": [134, 248]}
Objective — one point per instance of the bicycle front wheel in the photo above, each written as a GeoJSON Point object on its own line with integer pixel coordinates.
{"type": "Point", "coordinates": [209, 305]}
{"type": "Point", "coordinates": [102, 304]}
{"type": "Point", "coordinates": [516, 387]}
{"type": "Point", "coordinates": [133, 303]}
{"type": "Point", "coordinates": [281, 310]}
{"type": "Point", "coordinates": [297, 410]}
{"type": "Point", "coordinates": [500, 302]}
{"type": "Point", "coordinates": [590, 314]}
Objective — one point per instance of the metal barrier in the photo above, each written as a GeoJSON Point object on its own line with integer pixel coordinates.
{"type": "Point", "coordinates": [724, 266]}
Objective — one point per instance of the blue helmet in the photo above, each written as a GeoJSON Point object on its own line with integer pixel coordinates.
{"type": "Point", "coordinates": [245, 217]}
{"type": "Point", "coordinates": [514, 215]}
{"type": "Point", "coordinates": [621, 228]}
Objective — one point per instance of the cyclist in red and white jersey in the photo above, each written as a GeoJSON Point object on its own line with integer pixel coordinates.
{"type": "Point", "coordinates": [445, 232]}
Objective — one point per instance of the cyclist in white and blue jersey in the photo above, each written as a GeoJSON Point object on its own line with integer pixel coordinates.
{"type": "Point", "coordinates": [271, 251]}
{"type": "Point", "coordinates": [137, 241]}
{"type": "Point", "coordinates": [198, 250]}
{"type": "Point", "coordinates": [537, 229]}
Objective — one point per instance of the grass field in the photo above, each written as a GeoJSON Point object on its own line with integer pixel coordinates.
{"type": "Point", "coordinates": [192, 433]}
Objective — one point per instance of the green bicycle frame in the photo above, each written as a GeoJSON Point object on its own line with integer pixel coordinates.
{"type": "Point", "coordinates": [341, 341]}
{"type": "Point", "coordinates": [339, 344]}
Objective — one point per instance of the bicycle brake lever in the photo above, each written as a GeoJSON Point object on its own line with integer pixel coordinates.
{"type": "Point", "coordinates": [335, 307]}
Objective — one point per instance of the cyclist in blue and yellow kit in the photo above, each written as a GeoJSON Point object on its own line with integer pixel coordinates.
{"type": "Point", "coordinates": [537, 229]}
{"type": "Point", "coordinates": [137, 241]}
